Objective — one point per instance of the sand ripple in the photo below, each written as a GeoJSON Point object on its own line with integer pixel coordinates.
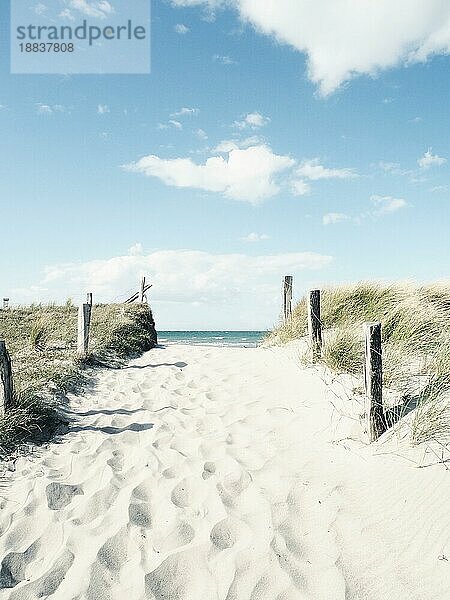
{"type": "Point", "coordinates": [211, 475]}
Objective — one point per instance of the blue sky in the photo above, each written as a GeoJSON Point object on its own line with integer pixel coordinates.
{"type": "Point", "coordinates": [259, 145]}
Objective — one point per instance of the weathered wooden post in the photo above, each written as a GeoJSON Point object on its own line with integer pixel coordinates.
{"type": "Point", "coordinates": [6, 379]}
{"type": "Point", "coordinates": [315, 324]}
{"type": "Point", "coordinates": [287, 297]}
{"type": "Point", "coordinates": [89, 298]}
{"type": "Point", "coordinates": [5, 303]}
{"type": "Point", "coordinates": [142, 290]}
{"type": "Point", "coordinates": [373, 376]}
{"type": "Point", "coordinates": [84, 322]}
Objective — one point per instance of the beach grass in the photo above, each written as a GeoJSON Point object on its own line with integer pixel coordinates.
{"type": "Point", "coordinates": [41, 340]}
{"type": "Point", "coordinates": [416, 343]}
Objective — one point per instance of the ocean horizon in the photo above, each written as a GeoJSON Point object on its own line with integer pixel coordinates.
{"type": "Point", "coordinates": [242, 339]}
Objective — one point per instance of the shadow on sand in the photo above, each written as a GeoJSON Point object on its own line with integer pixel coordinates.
{"type": "Point", "coordinates": [137, 427]}
{"type": "Point", "coordinates": [106, 411]}
{"type": "Point", "coordinates": [180, 365]}
{"type": "Point", "coordinates": [397, 412]}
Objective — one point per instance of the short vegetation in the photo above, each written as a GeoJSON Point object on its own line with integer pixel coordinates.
{"type": "Point", "coordinates": [41, 341]}
{"type": "Point", "coordinates": [416, 344]}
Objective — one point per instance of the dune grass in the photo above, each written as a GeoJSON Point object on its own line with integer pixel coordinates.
{"type": "Point", "coordinates": [416, 343]}
{"type": "Point", "coordinates": [41, 340]}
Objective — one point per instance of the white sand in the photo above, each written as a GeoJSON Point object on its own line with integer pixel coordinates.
{"type": "Point", "coordinates": [221, 479]}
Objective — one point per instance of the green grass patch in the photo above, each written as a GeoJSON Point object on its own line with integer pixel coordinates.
{"type": "Point", "coordinates": [416, 342]}
{"type": "Point", "coordinates": [41, 340]}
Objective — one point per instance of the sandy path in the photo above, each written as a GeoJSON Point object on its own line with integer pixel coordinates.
{"type": "Point", "coordinates": [211, 474]}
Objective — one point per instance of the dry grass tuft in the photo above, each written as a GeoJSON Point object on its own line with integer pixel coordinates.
{"type": "Point", "coordinates": [416, 343]}
{"type": "Point", "coordinates": [40, 334]}
{"type": "Point", "coordinates": [42, 343]}
{"type": "Point", "coordinates": [343, 351]}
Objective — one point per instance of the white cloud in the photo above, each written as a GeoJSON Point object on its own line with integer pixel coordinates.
{"type": "Point", "coordinates": [381, 206]}
{"type": "Point", "coordinates": [176, 124]}
{"type": "Point", "coordinates": [300, 187]}
{"type": "Point", "coordinates": [255, 237]}
{"type": "Point", "coordinates": [99, 8]}
{"type": "Point", "coordinates": [47, 109]}
{"type": "Point", "coordinates": [387, 204]}
{"type": "Point", "coordinates": [185, 111]}
{"type": "Point", "coordinates": [40, 8]}
{"type": "Point", "coordinates": [391, 167]}
{"type": "Point", "coordinates": [103, 109]}
{"type": "Point", "coordinates": [225, 291]}
{"type": "Point", "coordinates": [224, 60]}
{"type": "Point", "coordinates": [226, 146]}
{"type": "Point", "coordinates": [333, 218]}
{"type": "Point", "coordinates": [67, 14]}
{"type": "Point", "coordinates": [313, 170]}
{"type": "Point", "coordinates": [210, 6]}
{"type": "Point", "coordinates": [201, 134]}
{"type": "Point", "coordinates": [253, 120]}
{"type": "Point", "coordinates": [44, 109]}
{"type": "Point", "coordinates": [172, 123]}
{"type": "Point", "coordinates": [181, 29]}
{"type": "Point", "coordinates": [346, 38]}
{"type": "Point", "coordinates": [429, 159]}
{"type": "Point", "coordinates": [136, 250]}
{"type": "Point", "coordinates": [247, 174]}
{"type": "Point", "coordinates": [211, 3]}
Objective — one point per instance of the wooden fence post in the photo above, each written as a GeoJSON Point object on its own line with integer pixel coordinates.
{"type": "Point", "coordinates": [142, 293]}
{"type": "Point", "coordinates": [89, 298]}
{"type": "Point", "coordinates": [315, 324]}
{"type": "Point", "coordinates": [373, 376]}
{"type": "Point", "coordinates": [84, 322]}
{"type": "Point", "coordinates": [142, 290]}
{"type": "Point", "coordinates": [6, 380]}
{"type": "Point", "coordinates": [5, 303]}
{"type": "Point", "coordinates": [287, 297]}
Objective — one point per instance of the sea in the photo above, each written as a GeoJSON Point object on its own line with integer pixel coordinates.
{"type": "Point", "coordinates": [241, 339]}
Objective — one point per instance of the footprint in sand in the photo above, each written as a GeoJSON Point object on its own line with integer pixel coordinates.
{"type": "Point", "coordinates": [208, 470]}
{"type": "Point", "coordinates": [228, 532]}
{"type": "Point", "coordinates": [142, 491]}
{"type": "Point", "coordinates": [170, 473]}
{"type": "Point", "coordinates": [59, 496]}
{"type": "Point", "coordinates": [105, 570]}
{"type": "Point", "coordinates": [99, 504]}
{"type": "Point", "coordinates": [186, 493]}
{"type": "Point", "coordinates": [46, 585]}
{"type": "Point", "coordinates": [181, 535]}
{"type": "Point", "coordinates": [14, 564]}
{"type": "Point", "coordinates": [139, 515]}
{"type": "Point", "coordinates": [184, 575]}
{"type": "Point", "coordinates": [116, 462]}
{"type": "Point", "coordinates": [230, 439]}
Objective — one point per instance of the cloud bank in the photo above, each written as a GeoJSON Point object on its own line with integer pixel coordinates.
{"type": "Point", "coordinates": [346, 38]}
{"type": "Point", "coordinates": [209, 290]}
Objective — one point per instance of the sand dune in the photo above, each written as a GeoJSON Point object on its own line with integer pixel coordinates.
{"type": "Point", "coordinates": [217, 474]}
